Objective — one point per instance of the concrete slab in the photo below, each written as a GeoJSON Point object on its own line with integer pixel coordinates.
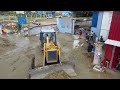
{"type": "Point", "coordinates": [41, 72]}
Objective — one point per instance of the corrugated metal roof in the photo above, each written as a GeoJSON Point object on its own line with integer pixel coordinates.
{"type": "Point", "coordinates": [112, 42]}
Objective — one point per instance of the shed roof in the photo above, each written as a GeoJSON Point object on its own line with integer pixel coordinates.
{"type": "Point", "coordinates": [112, 42]}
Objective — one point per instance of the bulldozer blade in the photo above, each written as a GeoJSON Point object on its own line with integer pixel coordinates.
{"type": "Point", "coordinates": [41, 72]}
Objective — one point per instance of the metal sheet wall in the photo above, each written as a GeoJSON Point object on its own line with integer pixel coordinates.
{"type": "Point", "coordinates": [115, 57]}
{"type": "Point", "coordinates": [105, 26]}
{"type": "Point", "coordinates": [97, 29]}
{"type": "Point", "coordinates": [108, 54]}
{"type": "Point", "coordinates": [114, 33]}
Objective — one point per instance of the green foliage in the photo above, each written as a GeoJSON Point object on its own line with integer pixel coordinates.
{"type": "Point", "coordinates": [82, 13]}
{"type": "Point", "coordinates": [12, 19]}
{"type": "Point", "coordinates": [7, 13]}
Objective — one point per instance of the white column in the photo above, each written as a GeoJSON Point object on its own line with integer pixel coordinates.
{"type": "Point", "coordinates": [98, 47]}
{"type": "Point", "coordinates": [113, 51]}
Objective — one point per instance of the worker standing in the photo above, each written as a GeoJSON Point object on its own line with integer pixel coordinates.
{"type": "Point", "coordinates": [101, 38]}
{"type": "Point", "coordinates": [80, 33]}
{"type": "Point", "coordinates": [94, 37]}
{"type": "Point", "coordinates": [51, 37]}
{"type": "Point", "coordinates": [90, 47]}
{"type": "Point", "coordinates": [118, 65]}
{"type": "Point", "coordinates": [87, 37]}
{"type": "Point", "coordinates": [92, 33]}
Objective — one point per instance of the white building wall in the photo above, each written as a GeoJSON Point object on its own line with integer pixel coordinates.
{"type": "Point", "coordinates": [106, 22]}
{"type": "Point", "coordinates": [20, 12]}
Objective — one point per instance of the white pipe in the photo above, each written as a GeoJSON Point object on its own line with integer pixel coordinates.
{"type": "Point", "coordinates": [47, 39]}
{"type": "Point", "coordinates": [111, 61]}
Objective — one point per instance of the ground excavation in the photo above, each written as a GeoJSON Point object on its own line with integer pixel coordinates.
{"type": "Point", "coordinates": [17, 54]}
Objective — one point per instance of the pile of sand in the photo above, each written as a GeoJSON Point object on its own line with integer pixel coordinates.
{"type": "Point", "coordinates": [58, 75]}
{"type": "Point", "coordinates": [5, 45]}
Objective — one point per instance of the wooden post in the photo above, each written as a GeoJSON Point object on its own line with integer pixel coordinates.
{"type": "Point", "coordinates": [36, 15]}
{"type": "Point", "coordinates": [31, 17]}
{"type": "Point", "coordinates": [107, 64]}
{"type": "Point", "coordinates": [98, 46]}
{"type": "Point", "coordinates": [111, 61]}
{"type": "Point", "coordinates": [9, 17]}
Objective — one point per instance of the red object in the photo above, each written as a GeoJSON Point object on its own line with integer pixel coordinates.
{"type": "Point", "coordinates": [114, 33]}
{"type": "Point", "coordinates": [80, 33]}
{"type": "Point", "coordinates": [108, 54]}
{"type": "Point", "coordinates": [3, 31]}
{"type": "Point", "coordinates": [115, 57]}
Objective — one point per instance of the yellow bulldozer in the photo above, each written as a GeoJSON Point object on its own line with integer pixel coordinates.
{"type": "Point", "coordinates": [50, 47]}
{"type": "Point", "coordinates": [51, 61]}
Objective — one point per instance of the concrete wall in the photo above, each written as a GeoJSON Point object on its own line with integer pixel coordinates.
{"type": "Point", "coordinates": [84, 23]}
{"type": "Point", "coordinates": [65, 25]}
{"type": "Point", "coordinates": [103, 24]}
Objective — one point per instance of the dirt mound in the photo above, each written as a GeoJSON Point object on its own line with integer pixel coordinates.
{"type": "Point", "coordinates": [58, 75]}
{"type": "Point", "coordinates": [5, 45]}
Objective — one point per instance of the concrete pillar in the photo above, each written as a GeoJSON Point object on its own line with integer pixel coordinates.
{"type": "Point", "coordinates": [73, 24]}
{"type": "Point", "coordinates": [98, 47]}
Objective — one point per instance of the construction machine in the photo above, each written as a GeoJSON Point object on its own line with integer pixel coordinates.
{"type": "Point", "coordinates": [51, 61]}
{"type": "Point", "coordinates": [50, 47]}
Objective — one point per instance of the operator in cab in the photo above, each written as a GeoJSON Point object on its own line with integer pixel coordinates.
{"type": "Point", "coordinates": [47, 39]}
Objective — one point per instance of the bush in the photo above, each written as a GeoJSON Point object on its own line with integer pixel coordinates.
{"type": "Point", "coordinates": [12, 19]}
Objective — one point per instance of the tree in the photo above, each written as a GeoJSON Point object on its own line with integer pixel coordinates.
{"type": "Point", "coordinates": [82, 13]}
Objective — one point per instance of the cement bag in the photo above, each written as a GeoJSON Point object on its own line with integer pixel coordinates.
{"type": "Point", "coordinates": [76, 36]}
{"type": "Point", "coordinates": [76, 44]}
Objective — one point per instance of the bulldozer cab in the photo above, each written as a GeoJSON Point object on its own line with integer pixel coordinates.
{"type": "Point", "coordinates": [50, 47]}
{"type": "Point", "coordinates": [50, 33]}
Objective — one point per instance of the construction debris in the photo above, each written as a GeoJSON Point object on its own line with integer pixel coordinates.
{"type": "Point", "coordinates": [98, 68]}
{"type": "Point", "coordinates": [76, 41]}
{"type": "Point", "coordinates": [42, 72]}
